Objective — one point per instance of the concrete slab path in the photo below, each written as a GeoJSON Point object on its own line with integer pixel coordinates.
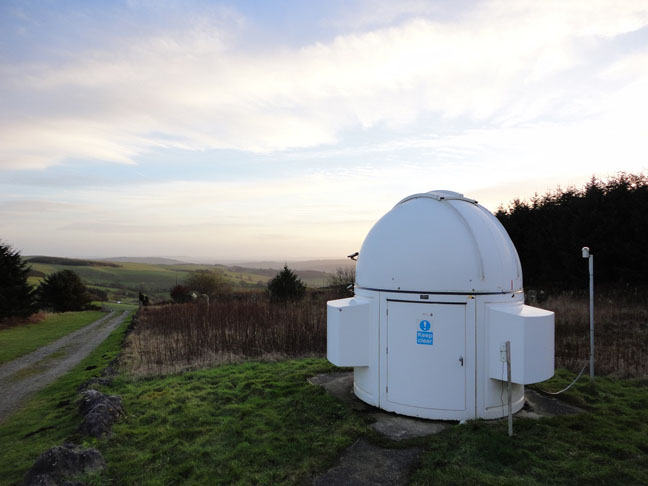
{"type": "Point", "coordinates": [365, 464]}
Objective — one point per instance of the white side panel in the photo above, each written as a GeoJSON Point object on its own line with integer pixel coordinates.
{"type": "Point", "coordinates": [366, 379]}
{"type": "Point", "coordinates": [347, 331]}
{"type": "Point", "coordinates": [365, 384]}
{"type": "Point", "coordinates": [531, 333]}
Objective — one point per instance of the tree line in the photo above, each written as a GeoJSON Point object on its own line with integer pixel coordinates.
{"type": "Point", "coordinates": [609, 216]}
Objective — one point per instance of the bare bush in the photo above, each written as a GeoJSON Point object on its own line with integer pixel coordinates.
{"type": "Point", "coordinates": [210, 283]}
{"type": "Point", "coordinates": [342, 281]}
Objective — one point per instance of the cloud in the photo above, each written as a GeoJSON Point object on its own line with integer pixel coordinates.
{"type": "Point", "coordinates": [35, 206]}
{"type": "Point", "coordinates": [195, 88]}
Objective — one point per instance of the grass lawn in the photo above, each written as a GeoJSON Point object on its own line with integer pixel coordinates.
{"type": "Point", "coordinates": [21, 340]}
{"type": "Point", "coordinates": [246, 424]}
{"type": "Point", "coordinates": [608, 445]}
{"type": "Point", "coordinates": [252, 423]}
{"type": "Point", "coordinates": [51, 416]}
{"type": "Point", "coordinates": [263, 424]}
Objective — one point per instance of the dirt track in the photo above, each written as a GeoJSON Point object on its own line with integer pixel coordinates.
{"type": "Point", "coordinates": [25, 375]}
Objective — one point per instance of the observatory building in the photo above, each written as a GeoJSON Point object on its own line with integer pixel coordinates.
{"type": "Point", "coordinates": [438, 293]}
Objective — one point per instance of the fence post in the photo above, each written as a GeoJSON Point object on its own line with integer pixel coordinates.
{"type": "Point", "coordinates": [587, 254]}
{"type": "Point", "coordinates": [509, 388]}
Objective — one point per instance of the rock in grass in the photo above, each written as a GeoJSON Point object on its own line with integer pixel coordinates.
{"type": "Point", "coordinates": [60, 464]}
{"type": "Point", "coordinates": [100, 412]}
{"type": "Point", "coordinates": [94, 381]}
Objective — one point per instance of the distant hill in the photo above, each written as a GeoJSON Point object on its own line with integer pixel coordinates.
{"type": "Point", "coordinates": [73, 262]}
{"type": "Point", "coordinates": [124, 280]}
{"type": "Point", "coordinates": [327, 266]}
{"type": "Point", "coordinates": [313, 278]}
{"type": "Point", "coordinates": [147, 260]}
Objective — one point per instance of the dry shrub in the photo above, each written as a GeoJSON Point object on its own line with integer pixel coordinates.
{"type": "Point", "coordinates": [620, 332]}
{"type": "Point", "coordinates": [187, 336]}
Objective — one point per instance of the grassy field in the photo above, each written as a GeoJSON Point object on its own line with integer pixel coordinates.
{"type": "Point", "coordinates": [263, 424]}
{"type": "Point", "coordinates": [606, 445]}
{"type": "Point", "coordinates": [20, 340]}
{"type": "Point", "coordinates": [51, 416]}
{"type": "Point", "coordinates": [245, 424]}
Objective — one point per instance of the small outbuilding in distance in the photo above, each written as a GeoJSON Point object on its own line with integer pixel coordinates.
{"type": "Point", "coordinates": [438, 293]}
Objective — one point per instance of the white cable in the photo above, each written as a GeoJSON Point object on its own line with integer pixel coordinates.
{"type": "Point", "coordinates": [568, 386]}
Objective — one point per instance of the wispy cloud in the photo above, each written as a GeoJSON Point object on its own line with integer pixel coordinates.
{"type": "Point", "coordinates": [187, 128]}
{"type": "Point", "coordinates": [195, 88]}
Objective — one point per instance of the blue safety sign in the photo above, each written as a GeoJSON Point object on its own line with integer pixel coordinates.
{"type": "Point", "coordinates": [425, 336]}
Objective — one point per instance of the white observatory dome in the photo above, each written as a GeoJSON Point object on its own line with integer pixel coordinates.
{"type": "Point", "coordinates": [438, 303]}
{"type": "Point", "coordinates": [441, 242]}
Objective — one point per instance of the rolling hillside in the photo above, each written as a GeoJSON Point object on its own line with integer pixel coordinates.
{"type": "Point", "coordinates": [123, 280]}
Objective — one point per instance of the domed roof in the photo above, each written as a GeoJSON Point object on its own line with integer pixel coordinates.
{"type": "Point", "coordinates": [439, 241]}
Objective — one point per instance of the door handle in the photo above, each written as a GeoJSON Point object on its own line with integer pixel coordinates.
{"type": "Point", "coordinates": [461, 360]}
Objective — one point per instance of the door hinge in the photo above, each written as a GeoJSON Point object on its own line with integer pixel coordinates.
{"type": "Point", "coordinates": [387, 389]}
{"type": "Point", "coordinates": [386, 350]}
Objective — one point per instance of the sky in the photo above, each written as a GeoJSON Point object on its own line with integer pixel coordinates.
{"type": "Point", "coordinates": [257, 129]}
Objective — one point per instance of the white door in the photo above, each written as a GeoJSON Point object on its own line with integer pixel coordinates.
{"type": "Point", "coordinates": [426, 355]}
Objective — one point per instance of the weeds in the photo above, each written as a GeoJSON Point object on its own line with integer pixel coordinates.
{"type": "Point", "coordinates": [189, 336]}
{"type": "Point", "coordinates": [621, 333]}
{"type": "Point", "coordinates": [183, 336]}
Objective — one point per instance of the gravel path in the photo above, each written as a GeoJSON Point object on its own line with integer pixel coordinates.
{"type": "Point", "coordinates": [27, 374]}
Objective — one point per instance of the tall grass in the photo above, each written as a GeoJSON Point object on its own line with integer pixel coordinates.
{"type": "Point", "coordinates": [188, 336]}
{"type": "Point", "coordinates": [184, 336]}
{"type": "Point", "coordinates": [621, 332]}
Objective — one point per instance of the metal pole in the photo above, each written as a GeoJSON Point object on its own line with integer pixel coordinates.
{"type": "Point", "coordinates": [510, 390]}
{"type": "Point", "coordinates": [591, 312]}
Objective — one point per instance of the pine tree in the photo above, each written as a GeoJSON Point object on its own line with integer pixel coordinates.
{"type": "Point", "coordinates": [63, 291]}
{"type": "Point", "coordinates": [286, 287]}
{"type": "Point", "coordinates": [16, 295]}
